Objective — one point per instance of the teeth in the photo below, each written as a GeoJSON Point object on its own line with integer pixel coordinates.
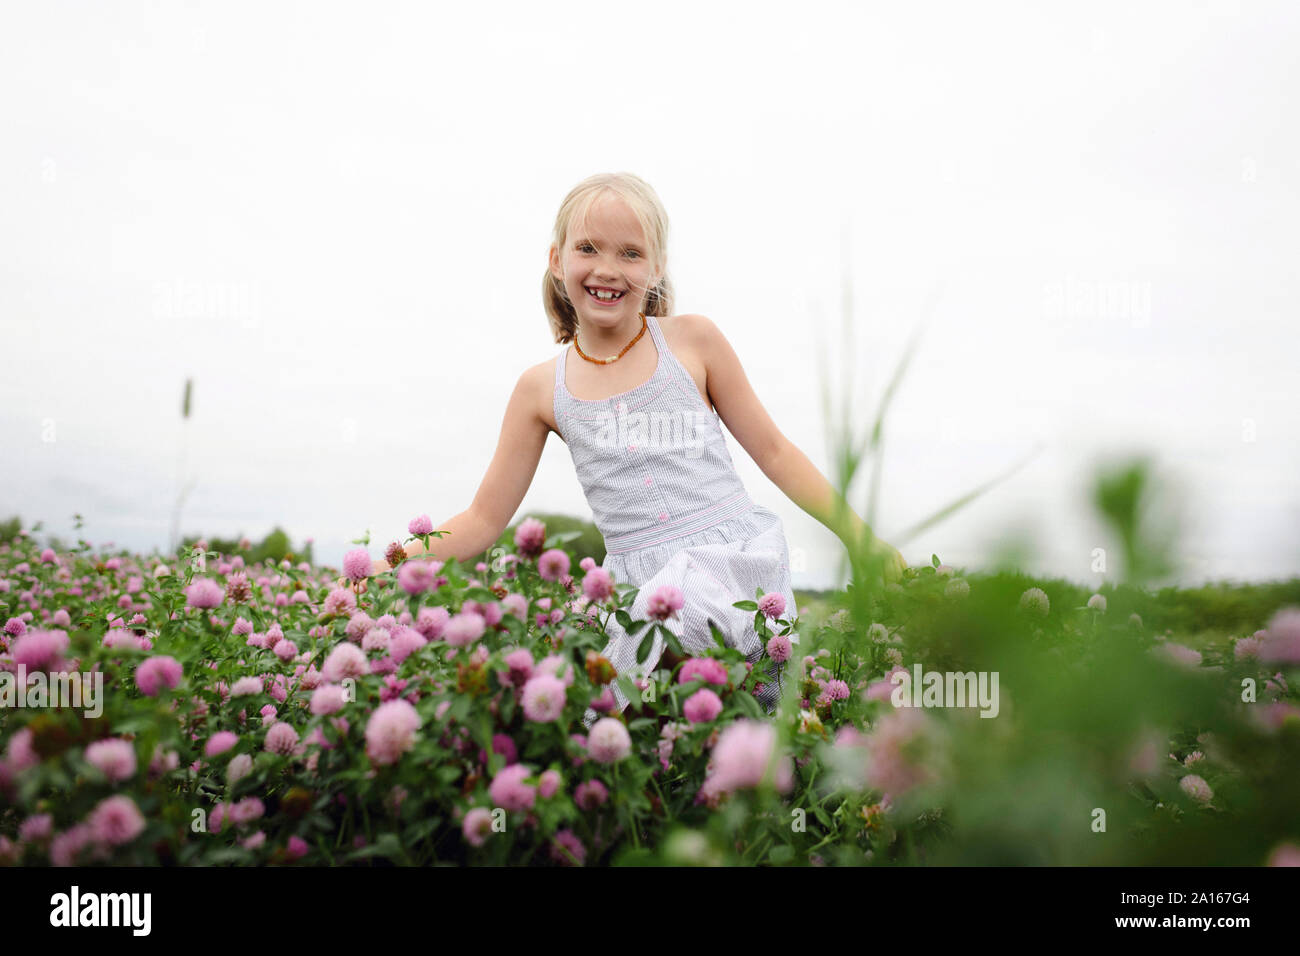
{"type": "Point", "coordinates": [607, 296]}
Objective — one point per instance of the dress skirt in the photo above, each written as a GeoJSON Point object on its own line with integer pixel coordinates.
{"type": "Point", "coordinates": [713, 568]}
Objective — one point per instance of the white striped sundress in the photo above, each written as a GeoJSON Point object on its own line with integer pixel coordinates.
{"type": "Point", "coordinates": [664, 493]}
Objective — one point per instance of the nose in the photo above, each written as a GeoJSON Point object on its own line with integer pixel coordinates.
{"type": "Point", "coordinates": [607, 263]}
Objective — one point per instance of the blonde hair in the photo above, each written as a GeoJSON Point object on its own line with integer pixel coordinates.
{"type": "Point", "coordinates": [649, 212]}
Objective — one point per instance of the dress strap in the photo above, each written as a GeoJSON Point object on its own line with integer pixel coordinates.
{"type": "Point", "coordinates": [656, 333]}
{"type": "Point", "coordinates": [559, 367]}
{"type": "Point", "coordinates": [671, 363]}
{"type": "Point", "coordinates": [560, 404]}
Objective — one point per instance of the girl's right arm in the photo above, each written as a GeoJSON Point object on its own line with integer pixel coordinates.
{"type": "Point", "coordinates": [519, 448]}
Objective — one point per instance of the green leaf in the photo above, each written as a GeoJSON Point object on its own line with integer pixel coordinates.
{"type": "Point", "coordinates": [133, 725]}
{"type": "Point", "coordinates": [229, 854]}
{"type": "Point", "coordinates": [483, 732]}
{"type": "Point", "coordinates": [624, 619]}
{"type": "Point", "coordinates": [629, 689]}
{"type": "Point", "coordinates": [387, 846]}
{"type": "Point", "coordinates": [746, 605]}
{"type": "Point", "coordinates": [636, 626]}
{"type": "Point", "coordinates": [420, 829]}
{"type": "Point", "coordinates": [717, 634]}
{"type": "Point", "coordinates": [638, 856]}
{"type": "Point", "coordinates": [748, 704]}
{"type": "Point", "coordinates": [643, 649]}
{"type": "Point", "coordinates": [934, 559]}
{"type": "Point", "coordinates": [459, 709]}
{"type": "Point", "coordinates": [480, 594]}
{"type": "Point", "coordinates": [781, 854]}
{"type": "Point", "coordinates": [671, 640]}
{"type": "Point", "coordinates": [562, 537]}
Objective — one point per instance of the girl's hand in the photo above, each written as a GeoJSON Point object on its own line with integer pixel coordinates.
{"type": "Point", "coordinates": [886, 558]}
{"type": "Point", "coordinates": [894, 564]}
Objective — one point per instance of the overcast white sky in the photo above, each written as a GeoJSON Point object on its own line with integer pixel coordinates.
{"type": "Point", "coordinates": [335, 218]}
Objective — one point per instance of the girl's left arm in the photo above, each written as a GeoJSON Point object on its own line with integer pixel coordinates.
{"type": "Point", "coordinates": [779, 458]}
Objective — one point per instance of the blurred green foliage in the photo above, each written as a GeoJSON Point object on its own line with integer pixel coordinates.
{"type": "Point", "coordinates": [589, 544]}
{"type": "Point", "coordinates": [1135, 502]}
{"type": "Point", "coordinates": [273, 547]}
{"type": "Point", "coordinates": [9, 529]}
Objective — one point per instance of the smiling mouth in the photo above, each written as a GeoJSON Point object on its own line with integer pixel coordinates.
{"type": "Point", "coordinates": [613, 298]}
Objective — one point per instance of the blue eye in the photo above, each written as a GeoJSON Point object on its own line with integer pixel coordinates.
{"type": "Point", "coordinates": [586, 245]}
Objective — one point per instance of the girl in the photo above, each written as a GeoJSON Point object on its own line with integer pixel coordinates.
{"type": "Point", "coordinates": [639, 399]}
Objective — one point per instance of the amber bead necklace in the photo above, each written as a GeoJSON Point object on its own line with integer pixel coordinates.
{"type": "Point", "coordinates": [614, 358]}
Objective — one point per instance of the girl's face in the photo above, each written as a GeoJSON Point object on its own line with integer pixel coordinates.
{"type": "Point", "coordinates": [607, 252]}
